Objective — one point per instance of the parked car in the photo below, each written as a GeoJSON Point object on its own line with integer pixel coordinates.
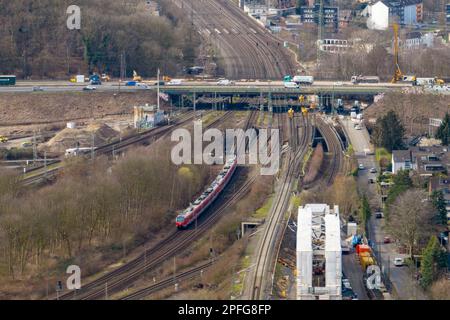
{"type": "Point", "coordinates": [361, 166]}
{"type": "Point", "coordinates": [387, 240]}
{"type": "Point", "coordinates": [399, 262]}
{"type": "Point", "coordinates": [373, 170]}
{"type": "Point", "coordinates": [379, 215]}
{"type": "Point", "coordinates": [358, 127]}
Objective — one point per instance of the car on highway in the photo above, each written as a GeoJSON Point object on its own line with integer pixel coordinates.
{"type": "Point", "coordinates": [35, 89]}
{"type": "Point", "coordinates": [373, 170]}
{"type": "Point", "coordinates": [225, 82]}
{"type": "Point", "coordinates": [399, 262]}
{"type": "Point", "coordinates": [174, 82]}
{"type": "Point", "coordinates": [361, 166]}
{"type": "Point", "coordinates": [291, 85]}
{"type": "Point", "coordinates": [89, 88]}
{"type": "Point", "coordinates": [142, 85]}
{"type": "Point", "coordinates": [27, 144]}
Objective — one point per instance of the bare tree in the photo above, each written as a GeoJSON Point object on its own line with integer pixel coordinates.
{"type": "Point", "coordinates": [411, 219]}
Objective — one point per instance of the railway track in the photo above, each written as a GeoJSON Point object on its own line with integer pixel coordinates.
{"type": "Point", "coordinates": [174, 243]}
{"type": "Point", "coordinates": [39, 173]}
{"type": "Point", "coordinates": [335, 147]}
{"type": "Point", "coordinates": [248, 50]}
{"type": "Point", "coordinates": [169, 281]}
{"type": "Point", "coordinates": [274, 226]}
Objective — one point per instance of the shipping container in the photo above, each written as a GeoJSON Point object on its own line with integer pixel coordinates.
{"type": "Point", "coordinates": [362, 248]}
{"type": "Point", "coordinates": [7, 80]}
{"type": "Point", "coordinates": [367, 261]}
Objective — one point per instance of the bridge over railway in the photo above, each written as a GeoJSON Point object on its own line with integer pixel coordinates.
{"type": "Point", "coordinates": [268, 97]}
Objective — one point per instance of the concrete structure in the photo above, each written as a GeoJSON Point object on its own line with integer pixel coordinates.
{"type": "Point", "coordinates": [319, 253]}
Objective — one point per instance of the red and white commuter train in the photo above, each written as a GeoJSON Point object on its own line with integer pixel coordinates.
{"type": "Point", "coordinates": [208, 196]}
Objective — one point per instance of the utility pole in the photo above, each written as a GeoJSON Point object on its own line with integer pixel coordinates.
{"type": "Point", "coordinates": [319, 32]}
{"type": "Point", "coordinates": [122, 68]}
{"type": "Point", "coordinates": [92, 147]}
{"type": "Point", "coordinates": [157, 98]}
{"type": "Point", "coordinates": [34, 148]}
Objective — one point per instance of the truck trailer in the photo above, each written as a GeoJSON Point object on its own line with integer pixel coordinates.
{"type": "Point", "coordinates": [309, 80]}
{"type": "Point", "coordinates": [365, 79]}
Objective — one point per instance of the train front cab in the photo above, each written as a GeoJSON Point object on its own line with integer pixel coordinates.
{"type": "Point", "coordinates": [180, 222]}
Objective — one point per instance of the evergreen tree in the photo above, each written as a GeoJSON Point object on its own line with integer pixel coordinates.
{"type": "Point", "coordinates": [402, 182]}
{"type": "Point", "coordinates": [443, 131]}
{"type": "Point", "coordinates": [433, 262]}
{"type": "Point", "coordinates": [439, 203]}
{"type": "Point", "coordinates": [389, 131]}
{"type": "Point", "coordinates": [365, 210]}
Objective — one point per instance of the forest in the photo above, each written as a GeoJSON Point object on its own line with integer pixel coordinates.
{"type": "Point", "coordinates": [35, 42]}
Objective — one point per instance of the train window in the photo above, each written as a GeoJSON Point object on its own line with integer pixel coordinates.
{"type": "Point", "coordinates": [180, 219]}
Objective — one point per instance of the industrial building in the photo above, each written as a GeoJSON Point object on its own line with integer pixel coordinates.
{"type": "Point", "coordinates": [319, 253]}
{"type": "Point", "coordinates": [147, 117]}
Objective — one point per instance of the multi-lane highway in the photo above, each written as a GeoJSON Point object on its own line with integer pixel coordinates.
{"type": "Point", "coordinates": [206, 86]}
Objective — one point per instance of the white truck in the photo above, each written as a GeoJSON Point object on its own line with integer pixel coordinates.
{"type": "Point", "coordinates": [365, 79]}
{"type": "Point", "coordinates": [308, 80]}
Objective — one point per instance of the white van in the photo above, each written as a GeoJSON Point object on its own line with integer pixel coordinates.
{"type": "Point", "coordinates": [291, 84]}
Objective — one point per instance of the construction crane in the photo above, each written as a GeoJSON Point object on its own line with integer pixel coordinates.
{"type": "Point", "coordinates": [398, 74]}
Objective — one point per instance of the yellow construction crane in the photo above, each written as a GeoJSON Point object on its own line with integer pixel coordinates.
{"type": "Point", "coordinates": [398, 74]}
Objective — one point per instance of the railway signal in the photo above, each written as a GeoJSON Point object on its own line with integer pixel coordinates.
{"type": "Point", "coordinates": [291, 113]}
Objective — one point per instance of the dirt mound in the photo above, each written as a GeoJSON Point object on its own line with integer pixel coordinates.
{"type": "Point", "coordinates": [96, 133]}
{"type": "Point", "coordinates": [49, 107]}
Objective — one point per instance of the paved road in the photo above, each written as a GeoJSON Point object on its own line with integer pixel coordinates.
{"type": "Point", "coordinates": [405, 287]}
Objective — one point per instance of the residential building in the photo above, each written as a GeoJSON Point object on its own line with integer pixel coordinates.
{"type": "Point", "coordinates": [447, 12]}
{"type": "Point", "coordinates": [382, 13]}
{"type": "Point", "coordinates": [310, 15]}
{"type": "Point", "coordinates": [345, 16]}
{"type": "Point", "coordinates": [416, 40]}
{"type": "Point", "coordinates": [424, 161]}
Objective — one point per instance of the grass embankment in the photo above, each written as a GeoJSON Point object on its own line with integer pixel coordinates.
{"type": "Point", "coordinates": [383, 157]}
